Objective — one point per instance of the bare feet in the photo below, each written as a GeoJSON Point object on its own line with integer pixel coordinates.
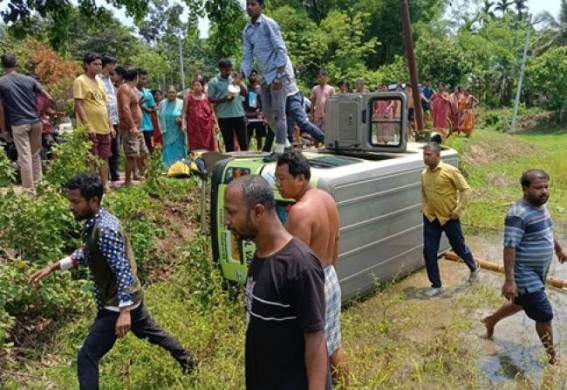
{"type": "Point", "coordinates": [489, 323]}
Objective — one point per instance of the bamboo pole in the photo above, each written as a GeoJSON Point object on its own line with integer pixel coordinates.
{"type": "Point", "coordinates": [489, 265]}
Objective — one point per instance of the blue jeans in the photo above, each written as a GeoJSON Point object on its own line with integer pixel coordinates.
{"type": "Point", "coordinates": [296, 115]}
{"type": "Point", "coordinates": [102, 337]}
{"type": "Point", "coordinates": [273, 108]}
{"type": "Point", "coordinates": [431, 238]}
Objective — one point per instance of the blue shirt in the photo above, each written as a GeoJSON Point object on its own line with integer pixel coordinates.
{"type": "Point", "coordinates": [529, 230]}
{"type": "Point", "coordinates": [218, 89]}
{"type": "Point", "coordinates": [112, 246]}
{"type": "Point", "coordinates": [146, 116]}
{"type": "Point", "coordinates": [263, 40]}
{"type": "Point", "coordinates": [111, 102]}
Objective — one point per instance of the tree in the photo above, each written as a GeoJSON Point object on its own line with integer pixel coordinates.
{"type": "Point", "coordinates": [503, 6]}
{"type": "Point", "coordinates": [521, 8]}
{"type": "Point", "coordinates": [162, 19]}
{"type": "Point", "coordinates": [486, 13]}
{"type": "Point", "coordinates": [555, 33]}
{"type": "Point", "coordinates": [19, 10]}
{"type": "Point", "coordinates": [543, 72]}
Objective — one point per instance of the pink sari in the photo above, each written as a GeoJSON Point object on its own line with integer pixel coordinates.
{"type": "Point", "coordinates": [441, 108]}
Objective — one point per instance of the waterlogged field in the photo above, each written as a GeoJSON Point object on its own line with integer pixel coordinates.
{"type": "Point", "coordinates": [394, 338]}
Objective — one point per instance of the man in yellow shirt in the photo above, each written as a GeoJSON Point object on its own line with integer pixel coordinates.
{"type": "Point", "coordinates": [91, 111]}
{"type": "Point", "coordinates": [444, 195]}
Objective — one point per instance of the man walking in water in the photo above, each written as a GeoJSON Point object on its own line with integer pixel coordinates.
{"type": "Point", "coordinates": [528, 250]}
{"type": "Point", "coordinates": [314, 219]}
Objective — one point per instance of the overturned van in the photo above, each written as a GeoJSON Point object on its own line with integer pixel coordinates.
{"type": "Point", "coordinates": [374, 176]}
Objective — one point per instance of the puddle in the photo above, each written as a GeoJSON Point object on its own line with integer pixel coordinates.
{"type": "Point", "coordinates": [515, 357]}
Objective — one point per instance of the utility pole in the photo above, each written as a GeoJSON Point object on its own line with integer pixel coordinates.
{"type": "Point", "coordinates": [406, 25]}
{"type": "Point", "coordinates": [181, 63]}
{"type": "Point", "coordinates": [520, 81]}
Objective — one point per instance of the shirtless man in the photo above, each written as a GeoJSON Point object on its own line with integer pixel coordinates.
{"type": "Point", "coordinates": [314, 219]}
{"type": "Point", "coordinates": [130, 122]}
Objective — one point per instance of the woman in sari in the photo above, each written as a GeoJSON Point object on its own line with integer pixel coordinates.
{"type": "Point", "coordinates": [455, 97]}
{"type": "Point", "coordinates": [441, 107]}
{"type": "Point", "coordinates": [467, 103]}
{"type": "Point", "coordinates": [169, 116]}
{"type": "Point", "coordinates": [384, 110]}
{"type": "Point", "coordinates": [199, 119]}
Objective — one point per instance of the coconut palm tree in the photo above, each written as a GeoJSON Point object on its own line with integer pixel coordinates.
{"type": "Point", "coordinates": [520, 6]}
{"type": "Point", "coordinates": [486, 12]}
{"type": "Point", "coordinates": [555, 32]}
{"type": "Point", "coordinates": [503, 6]}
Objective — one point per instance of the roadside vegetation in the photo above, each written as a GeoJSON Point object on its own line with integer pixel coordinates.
{"type": "Point", "coordinates": [394, 340]}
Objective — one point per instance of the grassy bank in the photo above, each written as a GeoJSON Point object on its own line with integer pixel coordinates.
{"type": "Point", "coordinates": [394, 339]}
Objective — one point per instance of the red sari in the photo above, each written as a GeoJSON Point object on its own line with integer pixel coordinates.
{"type": "Point", "coordinates": [441, 108]}
{"type": "Point", "coordinates": [200, 123]}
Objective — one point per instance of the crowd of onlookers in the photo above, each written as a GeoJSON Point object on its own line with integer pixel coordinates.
{"type": "Point", "coordinates": [221, 114]}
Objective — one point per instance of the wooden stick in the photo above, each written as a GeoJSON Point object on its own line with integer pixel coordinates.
{"type": "Point", "coordinates": [489, 265]}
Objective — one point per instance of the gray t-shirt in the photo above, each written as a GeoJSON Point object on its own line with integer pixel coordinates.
{"type": "Point", "coordinates": [19, 95]}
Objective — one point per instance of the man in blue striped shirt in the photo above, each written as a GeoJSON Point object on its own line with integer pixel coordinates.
{"type": "Point", "coordinates": [263, 40]}
{"type": "Point", "coordinates": [528, 250]}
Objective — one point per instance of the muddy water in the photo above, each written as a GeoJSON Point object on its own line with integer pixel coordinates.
{"type": "Point", "coordinates": [514, 358]}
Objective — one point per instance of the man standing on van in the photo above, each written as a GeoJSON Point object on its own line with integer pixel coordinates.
{"type": "Point", "coordinates": [444, 196]}
{"type": "Point", "coordinates": [18, 95]}
{"type": "Point", "coordinates": [314, 219]}
{"type": "Point", "coordinates": [263, 40]}
{"type": "Point", "coordinates": [285, 303]}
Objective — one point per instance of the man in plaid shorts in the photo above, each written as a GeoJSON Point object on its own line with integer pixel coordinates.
{"type": "Point", "coordinates": [314, 219]}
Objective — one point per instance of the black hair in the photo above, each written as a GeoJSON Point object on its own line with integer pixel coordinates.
{"type": "Point", "coordinates": [344, 82]}
{"type": "Point", "coordinates": [108, 59]}
{"type": "Point", "coordinates": [297, 164]}
{"type": "Point", "coordinates": [530, 174]}
{"type": "Point", "coordinates": [8, 61]}
{"type": "Point", "coordinates": [256, 190]}
{"type": "Point", "coordinates": [199, 79]}
{"type": "Point", "coordinates": [433, 146]}
{"type": "Point", "coordinates": [142, 72]}
{"type": "Point", "coordinates": [88, 184]}
{"type": "Point", "coordinates": [323, 72]}
{"type": "Point", "coordinates": [130, 74]}
{"type": "Point", "coordinates": [157, 91]}
{"type": "Point", "coordinates": [90, 57]}
{"type": "Point", "coordinates": [260, 3]}
{"type": "Point", "coordinates": [119, 70]}
{"type": "Point", "coordinates": [225, 64]}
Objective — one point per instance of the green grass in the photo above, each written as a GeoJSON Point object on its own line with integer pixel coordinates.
{"type": "Point", "coordinates": [493, 163]}
{"type": "Point", "coordinates": [393, 342]}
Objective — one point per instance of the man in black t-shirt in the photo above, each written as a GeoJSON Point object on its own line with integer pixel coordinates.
{"type": "Point", "coordinates": [285, 300]}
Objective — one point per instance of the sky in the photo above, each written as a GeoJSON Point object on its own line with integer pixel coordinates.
{"type": "Point", "coordinates": [537, 6]}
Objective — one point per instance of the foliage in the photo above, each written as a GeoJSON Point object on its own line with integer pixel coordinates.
{"type": "Point", "coordinates": [55, 72]}
{"type": "Point", "coordinates": [7, 170]}
{"type": "Point", "coordinates": [70, 158]}
{"type": "Point", "coordinates": [543, 76]}
{"type": "Point", "coordinates": [336, 45]}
